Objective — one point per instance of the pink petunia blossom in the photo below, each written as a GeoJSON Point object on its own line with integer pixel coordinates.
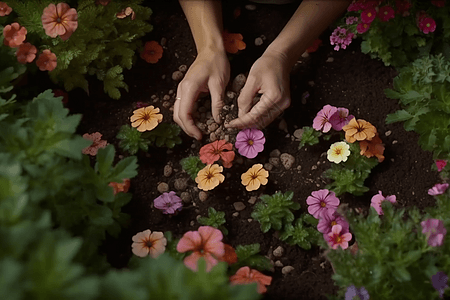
{"type": "Point", "coordinates": [322, 119]}
{"type": "Point", "coordinates": [328, 221]}
{"type": "Point", "coordinates": [438, 189]}
{"type": "Point", "coordinates": [341, 38]}
{"type": "Point", "coordinates": [438, 3]}
{"type": "Point", "coordinates": [340, 118]}
{"type": "Point", "coordinates": [98, 143]}
{"type": "Point", "coordinates": [250, 142]}
{"type": "Point", "coordinates": [336, 238]}
{"type": "Point", "coordinates": [362, 27]}
{"type": "Point", "coordinates": [322, 202]}
{"type": "Point", "coordinates": [440, 164]}
{"type": "Point", "coordinates": [427, 25]}
{"type": "Point", "coordinates": [386, 13]}
{"type": "Point", "coordinates": [351, 20]}
{"type": "Point", "coordinates": [435, 231]}
{"type": "Point", "coordinates": [378, 198]}
{"type": "Point", "coordinates": [206, 243]}
{"type": "Point", "coordinates": [368, 15]}
{"type": "Point", "coordinates": [169, 203]}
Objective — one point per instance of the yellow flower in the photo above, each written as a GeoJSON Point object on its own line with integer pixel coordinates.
{"type": "Point", "coordinates": [338, 152]}
{"type": "Point", "coordinates": [254, 177]}
{"type": "Point", "coordinates": [146, 118]}
{"type": "Point", "coordinates": [209, 177]}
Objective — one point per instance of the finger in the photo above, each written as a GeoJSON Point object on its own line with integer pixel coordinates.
{"type": "Point", "coordinates": [245, 99]}
{"type": "Point", "coordinates": [216, 91]}
{"type": "Point", "coordinates": [185, 109]}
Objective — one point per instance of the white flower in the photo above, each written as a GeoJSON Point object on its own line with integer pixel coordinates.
{"type": "Point", "coordinates": [338, 152]}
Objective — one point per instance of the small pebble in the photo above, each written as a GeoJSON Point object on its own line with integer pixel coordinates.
{"type": "Point", "coordinates": [182, 68]}
{"type": "Point", "coordinates": [192, 223]}
{"type": "Point", "coordinates": [177, 75]}
{"type": "Point", "coordinates": [163, 77]}
{"type": "Point", "coordinates": [235, 214]}
{"type": "Point", "coordinates": [171, 92]}
{"type": "Point", "coordinates": [163, 41]}
{"type": "Point", "coordinates": [287, 269]}
{"type": "Point", "coordinates": [167, 170]}
{"type": "Point", "coordinates": [186, 197]}
{"type": "Point", "coordinates": [275, 161]}
{"type": "Point", "coordinates": [212, 127]}
{"type": "Point", "coordinates": [239, 206]}
{"type": "Point", "coordinates": [203, 196]}
{"type": "Point", "coordinates": [278, 252]}
{"type": "Point", "coordinates": [252, 200]}
{"type": "Point", "coordinates": [153, 97]}
{"type": "Point", "coordinates": [250, 7]}
{"type": "Point", "coordinates": [238, 83]}
{"type": "Point", "coordinates": [314, 167]}
{"type": "Point", "coordinates": [311, 83]}
{"type": "Point", "coordinates": [268, 166]}
{"type": "Point", "coordinates": [283, 125]}
{"type": "Point", "coordinates": [163, 187]}
{"type": "Point", "coordinates": [166, 104]}
{"type": "Point", "coordinates": [198, 217]}
{"type": "Point", "coordinates": [258, 41]}
{"type": "Point", "coordinates": [166, 97]}
{"type": "Point", "coordinates": [231, 94]}
{"type": "Point", "coordinates": [298, 133]}
{"type": "Point", "coordinates": [394, 142]}
{"type": "Point", "coordinates": [249, 220]}
{"type": "Point", "coordinates": [275, 153]}
{"type": "Point", "coordinates": [278, 264]}
{"type": "Point", "coordinates": [330, 59]}
{"type": "Point", "coordinates": [388, 133]}
{"type": "Point", "coordinates": [212, 137]}
{"type": "Point", "coordinates": [180, 184]}
{"type": "Point", "coordinates": [305, 54]}
{"type": "Point", "coordinates": [287, 160]}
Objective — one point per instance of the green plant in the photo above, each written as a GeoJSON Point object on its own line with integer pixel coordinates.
{"type": "Point", "coordinates": [131, 140]}
{"type": "Point", "coordinates": [299, 234]}
{"type": "Point", "coordinates": [310, 137]}
{"type": "Point", "coordinates": [248, 255]}
{"type": "Point", "coordinates": [274, 211]}
{"type": "Point", "coordinates": [192, 165]}
{"type": "Point", "coordinates": [215, 219]}
{"type": "Point", "coordinates": [165, 135]}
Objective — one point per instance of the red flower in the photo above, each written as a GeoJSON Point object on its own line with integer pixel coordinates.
{"type": "Point", "coordinates": [374, 147]}
{"type": "Point", "coordinates": [152, 52]}
{"type": "Point", "coordinates": [427, 25]}
{"type": "Point", "coordinates": [14, 35]}
{"type": "Point", "coordinates": [4, 9]}
{"type": "Point", "coordinates": [314, 46]}
{"type": "Point", "coordinates": [440, 164]}
{"type": "Point", "coordinates": [438, 3]}
{"type": "Point", "coordinates": [59, 20]}
{"type": "Point", "coordinates": [368, 15]}
{"type": "Point", "coordinates": [386, 13]}
{"type": "Point", "coordinates": [120, 187]}
{"type": "Point", "coordinates": [26, 53]}
{"type": "Point", "coordinates": [230, 256]}
{"type": "Point", "coordinates": [245, 275]}
{"type": "Point", "coordinates": [233, 42]}
{"type": "Point", "coordinates": [46, 61]}
{"type": "Point", "coordinates": [362, 27]}
{"type": "Point", "coordinates": [215, 151]}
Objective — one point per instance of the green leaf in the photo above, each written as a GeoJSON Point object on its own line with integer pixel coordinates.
{"type": "Point", "coordinates": [105, 158]}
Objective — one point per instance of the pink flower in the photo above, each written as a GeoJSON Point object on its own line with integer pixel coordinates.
{"type": "Point", "coordinates": [335, 238]}
{"type": "Point", "coordinates": [47, 61]}
{"type": "Point", "coordinates": [4, 9]}
{"type": "Point", "coordinates": [148, 243]}
{"type": "Point", "coordinates": [250, 142]}
{"type": "Point", "coordinates": [386, 13]}
{"type": "Point", "coordinates": [59, 20]}
{"type": "Point", "coordinates": [340, 118]}
{"type": "Point", "coordinates": [98, 143]}
{"type": "Point", "coordinates": [206, 243]}
{"type": "Point", "coordinates": [438, 189]}
{"type": "Point", "coordinates": [355, 6]}
{"type": "Point", "coordinates": [169, 203]}
{"type": "Point", "coordinates": [351, 20]}
{"type": "Point", "coordinates": [322, 202]}
{"type": "Point", "coordinates": [427, 25]}
{"type": "Point", "coordinates": [245, 275]}
{"type": "Point", "coordinates": [14, 35]}
{"type": "Point", "coordinates": [341, 37]}
{"type": "Point", "coordinates": [368, 15]}
{"type": "Point", "coordinates": [435, 231]}
{"type": "Point", "coordinates": [440, 164]}
{"type": "Point", "coordinates": [322, 119]}
{"type": "Point", "coordinates": [362, 27]}
{"type": "Point", "coordinates": [378, 198]}
{"type": "Point", "coordinates": [438, 3]}
{"type": "Point", "coordinates": [328, 221]}
{"type": "Point", "coordinates": [403, 7]}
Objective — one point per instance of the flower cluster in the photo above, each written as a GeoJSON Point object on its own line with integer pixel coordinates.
{"type": "Point", "coordinates": [435, 231]}
{"type": "Point", "coordinates": [341, 38]}
{"type": "Point", "coordinates": [97, 143]}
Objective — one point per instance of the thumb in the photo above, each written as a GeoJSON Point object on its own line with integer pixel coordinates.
{"type": "Point", "coordinates": [217, 92]}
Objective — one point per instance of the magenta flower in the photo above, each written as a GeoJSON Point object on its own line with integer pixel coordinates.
{"type": "Point", "coordinates": [368, 15]}
{"type": "Point", "coordinates": [353, 291]}
{"type": "Point", "coordinates": [341, 37]}
{"type": "Point", "coordinates": [435, 231]}
{"type": "Point", "coordinates": [362, 27]}
{"type": "Point", "coordinates": [438, 189]}
{"type": "Point", "coordinates": [439, 281]}
{"type": "Point", "coordinates": [322, 202]}
{"type": "Point", "coordinates": [438, 3]}
{"type": "Point", "coordinates": [328, 221]}
{"type": "Point", "coordinates": [427, 25]}
{"type": "Point", "coordinates": [322, 119]}
{"type": "Point", "coordinates": [250, 142]}
{"type": "Point", "coordinates": [440, 164]}
{"type": "Point", "coordinates": [169, 203]}
{"type": "Point", "coordinates": [141, 104]}
{"type": "Point", "coordinates": [340, 118]}
{"type": "Point", "coordinates": [378, 198]}
{"type": "Point", "coordinates": [351, 20]}
{"type": "Point", "coordinates": [336, 238]}
{"type": "Point", "coordinates": [386, 13]}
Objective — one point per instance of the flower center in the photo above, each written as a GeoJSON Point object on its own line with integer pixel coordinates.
{"type": "Point", "coordinates": [149, 244]}
{"type": "Point", "coordinates": [369, 14]}
{"type": "Point", "coordinates": [152, 52]}
{"type": "Point", "coordinates": [333, 223]}
{"type": "Point", "coordinates": [58, 20]}
{"type": "Point", "coordinates": [209, 176]}
{"type": "Point", "coordinates": [338, 151]}
{"type": "Point", "coordinates": [338, 239]}
{"type": "Point", "coordinates": [250, 142]}
{"type": "Point", "coordinates": [146, 117]}
{"type": "Point", "coordinates": [254, 176]}
{"type": "Point", "coordinates": [428, 24]}
{"type": "Point", "coordinates": [323, 204]}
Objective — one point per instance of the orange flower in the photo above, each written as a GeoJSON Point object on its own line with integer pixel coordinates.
{"type": "Point", "coordinates": [46, 61]}
{"type": "Point", "coordinates": [209, 177]}
{"type": "Point", "coordinates": [233, 42]}
{"type": "Point", "coordinates": [230, 256]}
{"type": "Point", "coordinates": [359, 130]}
{"type": "Point", "coordinates": [152, 52]}
{"type": "Point", "coordinates": [59, 20]}
{"type": "Point", "coordinates": [314, 46]}
{"type": "Point", "coordinates": [26, 53]}
{"type": "Point", "coordinates": [146, 118]}
{"type": "Point", "coordinates": [215, 151]}
{"type": "Point", "coordinates": [120, 187]}
{"type": "Point", "coordinates": [245, 275]}
{"type": "Point", "coordinates": [148, 243]}
{"type": "Point", "coordinates": [125, 13]}
{"type": "Point", "coordinates": [14, 35]}
{"type": "Point", "coordinates": [4, 9]}
{"type": "Point", "coordinates": [373, 147]}
{"type": "Point", "coordinates": [254, 177]}
{"type": "Point", "coordinates": [98, 143]}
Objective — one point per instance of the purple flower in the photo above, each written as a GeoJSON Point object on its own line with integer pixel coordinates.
{"type": "Point", "coordinates": [322, 119]}
{"type": "Point", "coordinates": [378, 198]}
{"type": "Point", "coordinates": [438, 189]}
{"type": "Point", "coordinates": [329, 220]}
{"type": "Point", "coordinates": [435, 230]}
{"type": "Point", "coordinates": [341, 38]}
{"type": "Point", "coordinates": [340, 118]}
{"type": "Point", "coordinates": [439, 281]}
{"type": "Point", "coordinates": [322, 202]}
{"type": "Point", "coordinates": [353, 291]}
{"type": "Point", "coordinates": [250, 142]}
{"type": "Point", "coordinates": [168, 203]}
{"type": "Point", "coordinates": [351, 20]}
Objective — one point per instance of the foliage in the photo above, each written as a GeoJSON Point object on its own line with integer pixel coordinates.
{"type": "Point", "coordinates": [349, 176]}
{"type": "Point", "coordinates": [131, 140]}
{"type": "Point", "coordinates": [192, 165]}
{"type": "Point", "coordinates": [248, 255]}
{"type": "Point", "coordinates": [165, 135]}
{"type": "Point", "coordinates": [275, 211]}
{"type": "Point", "coordinates": [101, 46]}
{"type": "Point", "coordinates": [310, 137]}
{"type": "Point", "coordinates": [299, 234]}
{"type": "Point", "coordinates": [394, 260]}
{"type": "Point", "coordinates": [424, 92]}
{"type": "Point", "coordinates": [399, 41]}
{"type": "Point", "coordinates": [215, 219]}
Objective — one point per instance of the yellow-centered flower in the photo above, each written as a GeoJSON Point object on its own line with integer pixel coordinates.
{"type": "Point", "coordinates": [338, 152]}
{"type": "Point", "coordinates": [254, 177]}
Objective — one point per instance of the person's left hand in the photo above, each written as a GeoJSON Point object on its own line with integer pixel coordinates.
{"type": "Point", "coordinates": [268, 76]}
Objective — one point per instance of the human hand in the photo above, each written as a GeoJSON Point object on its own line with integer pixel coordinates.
{"type": "Point", "coordinates": [268, 76]}
{"type": "Point", "coordinates": [210, 72]}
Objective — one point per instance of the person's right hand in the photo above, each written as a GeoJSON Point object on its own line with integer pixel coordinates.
{"type": "Point", "coordinates": [210, 73]}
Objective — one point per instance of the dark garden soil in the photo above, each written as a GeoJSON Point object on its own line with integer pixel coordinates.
{"type": "Point", "coordinates": [346, 78]}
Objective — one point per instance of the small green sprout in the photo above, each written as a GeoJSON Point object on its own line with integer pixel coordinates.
{"type": "Point", "coordinates": [215, 219]}
{"type": "Point", "coordinates": [192, 165]}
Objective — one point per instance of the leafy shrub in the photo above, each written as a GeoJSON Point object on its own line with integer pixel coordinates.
{"type": "Point", "coordinates": [310, 137]}
{"type": "Point", "coordinates": [165, 135]}
{"type": "Point", "coordinates": [248, 255]}
{"type": "Point", "coordinates": [215, 219]}
{"type": "Point", "coordinates": [192, 165]}
{"type": "Point", "coordinates": [131, 140]}
{"type": "Point", "coordinates": [299, 234]}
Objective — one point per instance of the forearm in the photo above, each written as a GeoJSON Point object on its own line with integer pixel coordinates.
{"type": "Point", "coordinates": [310, 19]}
{"type": "Point", "coordinates": [205, 20]}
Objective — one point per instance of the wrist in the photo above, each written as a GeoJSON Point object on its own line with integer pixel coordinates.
{"type": "Point", "coordinates": [285, 59]}
{"type": "Point", "coordinates": [211, 45]}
